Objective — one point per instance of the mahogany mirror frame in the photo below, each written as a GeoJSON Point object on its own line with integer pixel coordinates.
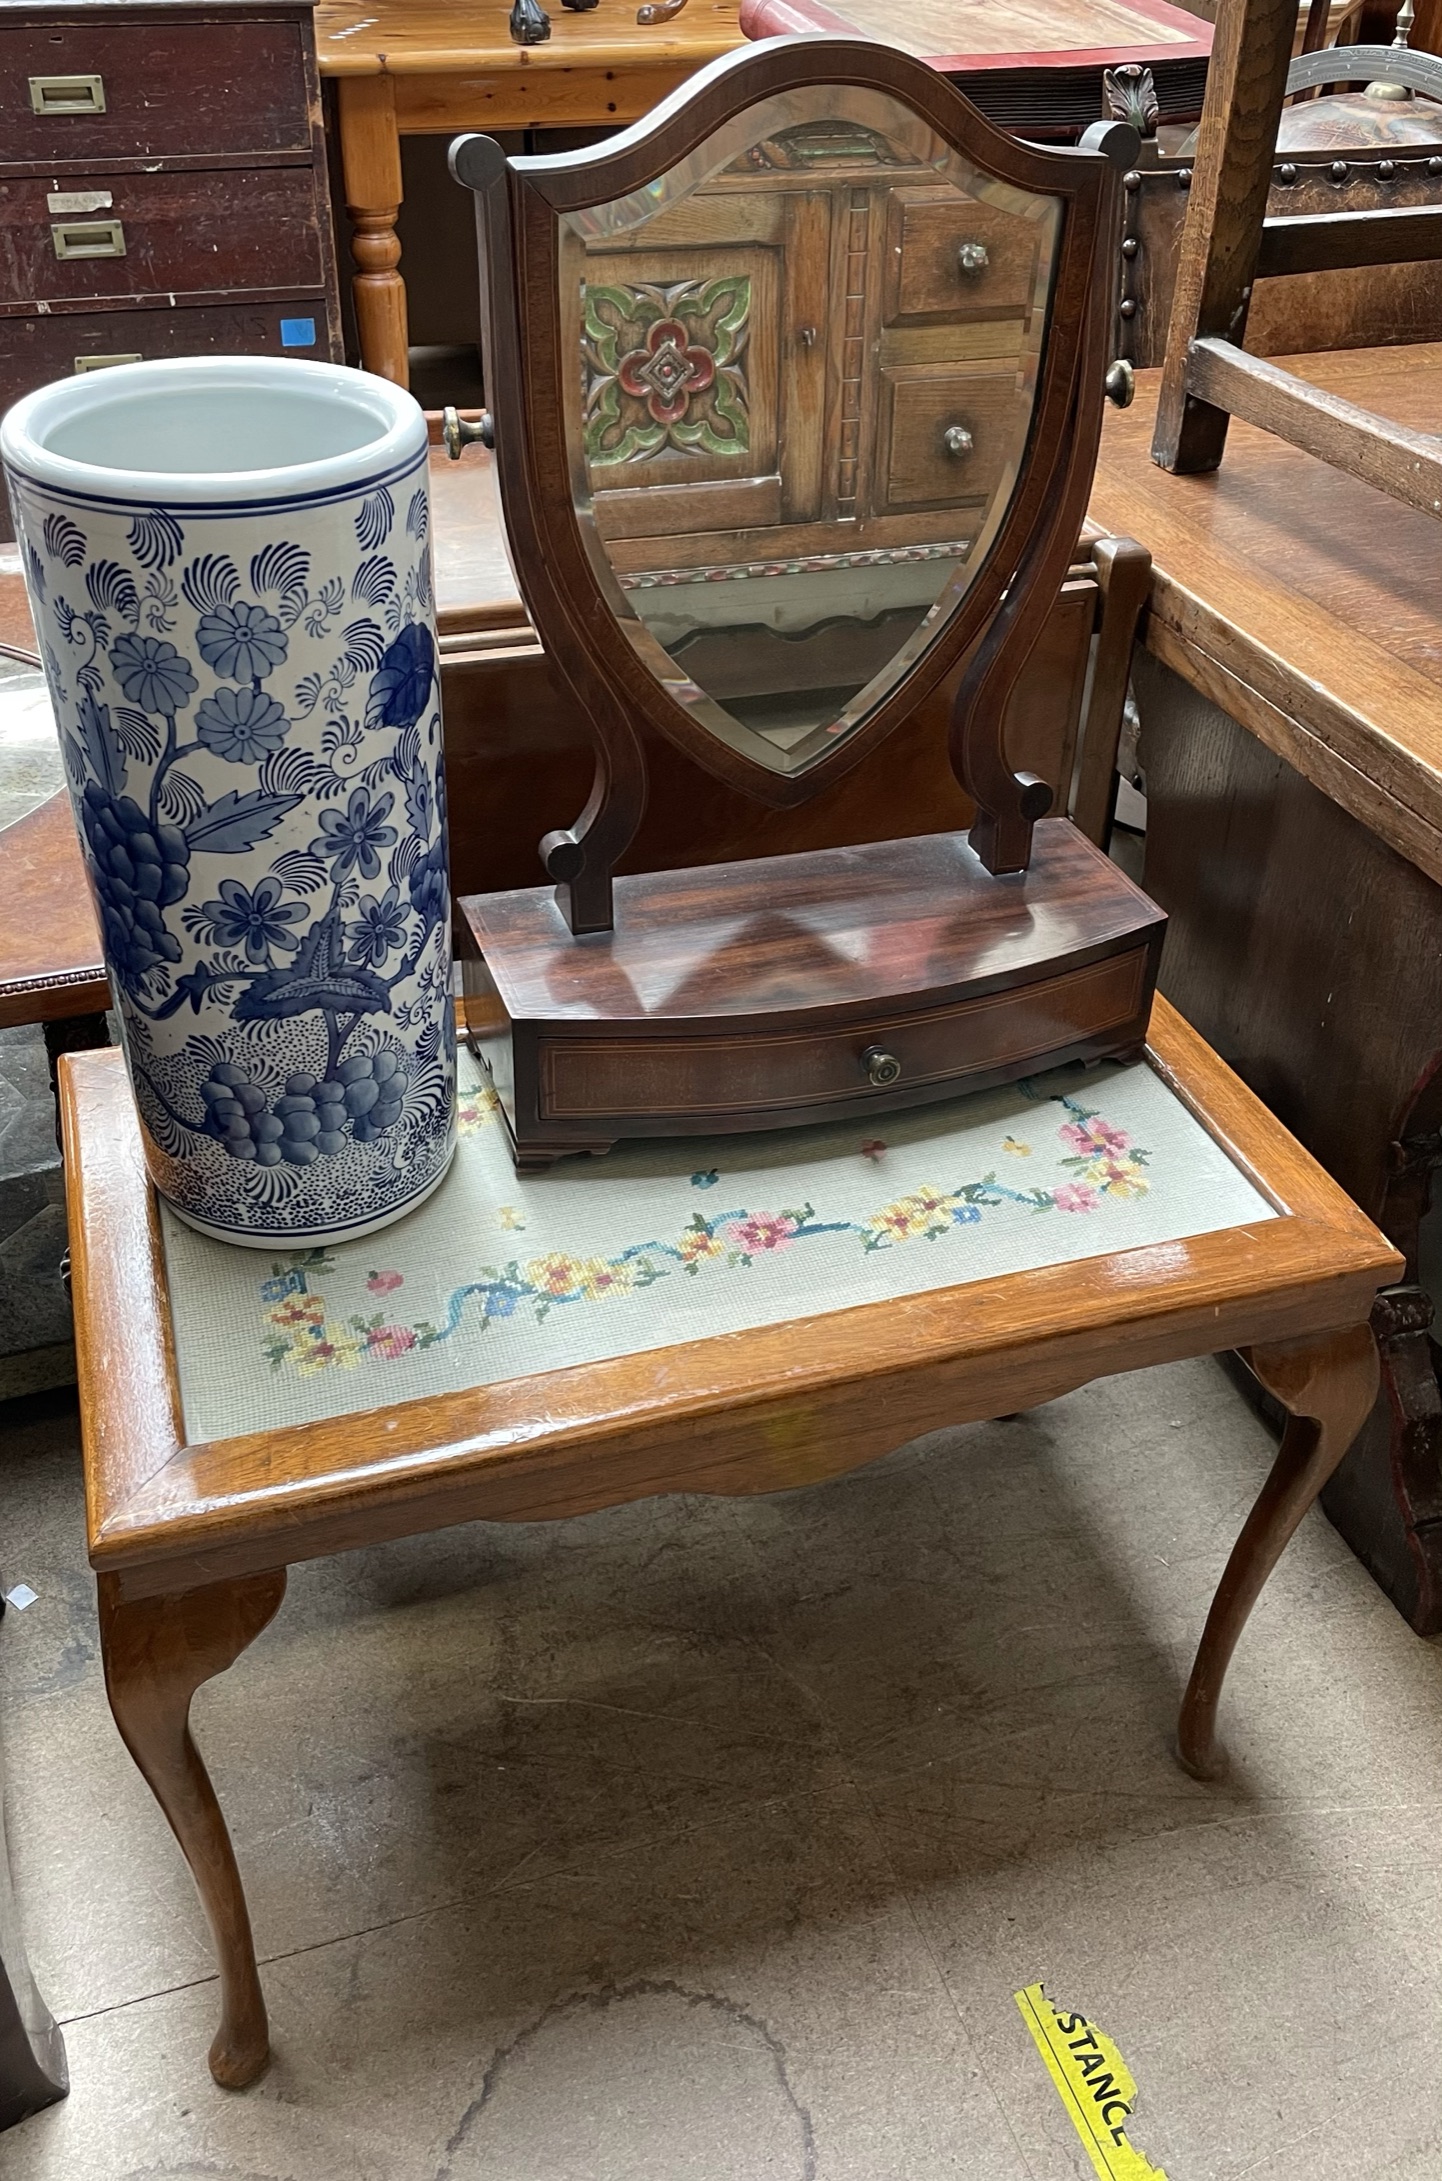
{"type": "Point", "coordinates": [520, 204]}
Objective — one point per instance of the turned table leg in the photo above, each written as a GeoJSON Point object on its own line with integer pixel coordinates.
{"type": "Point", "coordinates": [157, 1653]}
{"type": "Point", "coordinates": [1327, 1384]}
{"type": "Point", "coordinates": [370, 149]}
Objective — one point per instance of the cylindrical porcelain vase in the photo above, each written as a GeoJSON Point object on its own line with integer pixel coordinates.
{"type": "Point", "coordinates": [230, 573]}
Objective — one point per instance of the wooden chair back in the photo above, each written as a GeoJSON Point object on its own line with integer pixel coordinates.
{"type": "Point", "coordinates": [1228, 243]}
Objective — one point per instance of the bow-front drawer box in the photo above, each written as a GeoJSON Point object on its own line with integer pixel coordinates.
{"type": "Point", "coordinates": [104, 82]}
{"type": "Point", "coordinates": [593, 1042]}
{"type": "Point", "coordinates": [584, 1079]}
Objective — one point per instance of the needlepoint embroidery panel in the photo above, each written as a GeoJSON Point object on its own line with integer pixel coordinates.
{"type": "Point", "coordinates": [503, 1275]}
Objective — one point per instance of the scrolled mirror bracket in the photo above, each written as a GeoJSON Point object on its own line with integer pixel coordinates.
{"type": "Point", "coordinates": [476, 161]}
{"type": "Point", "coordinates": [1117, 141]}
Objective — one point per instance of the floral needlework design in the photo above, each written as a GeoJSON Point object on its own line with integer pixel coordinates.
{"type": "Point", "coordinates": [302, 1334]}
{"type": "Point", "coordinates": [665, 369]}
{"type": "Point", "coordinates": [477, 1110]}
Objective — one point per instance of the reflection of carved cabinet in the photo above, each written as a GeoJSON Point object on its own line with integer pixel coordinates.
{"type": "Point", "coordinates": [821, 350]}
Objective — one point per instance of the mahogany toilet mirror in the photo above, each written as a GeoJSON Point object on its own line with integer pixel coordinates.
{"type": "Point", "coordinates": [796, 387]}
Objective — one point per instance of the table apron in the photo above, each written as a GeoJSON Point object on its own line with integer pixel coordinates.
{"type": "Point", "coordinates": [580, 97]}
{"type": "Point", "coordinates": [777, 1442]}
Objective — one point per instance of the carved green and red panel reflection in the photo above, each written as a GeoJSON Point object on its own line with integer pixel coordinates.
{"type": "Point", "coordinates": [665, 369]}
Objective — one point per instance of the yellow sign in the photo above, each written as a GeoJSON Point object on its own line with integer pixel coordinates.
{"type": "Point", "coordinates": [1093, 2083]}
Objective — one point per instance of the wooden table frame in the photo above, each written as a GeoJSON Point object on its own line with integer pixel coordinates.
{"type": "Point", "coordinates": [441, 68]}
{"type": "Point", "coordinates": [190, 1543]}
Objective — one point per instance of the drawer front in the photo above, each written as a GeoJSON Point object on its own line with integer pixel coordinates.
{"type": "Point", "coordinates": [948, 260]}
{"type": "Point", "coordinates": [164, 90]}
{"type": "Point", "coordinates": [159, 234]}
{"type": "Point", "coordinates": [591, 1079]}
{"type": "Point", "coordinates": [33, 351]}
{"type": "Point", "coordinates": [947, 436]}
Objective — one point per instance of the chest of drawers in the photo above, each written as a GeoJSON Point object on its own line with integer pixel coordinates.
{"type": "Point", "coordinates": [162, 186]}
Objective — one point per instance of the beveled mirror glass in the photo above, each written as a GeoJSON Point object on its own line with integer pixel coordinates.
{"type": "Point", "coordinates": [807, 359]}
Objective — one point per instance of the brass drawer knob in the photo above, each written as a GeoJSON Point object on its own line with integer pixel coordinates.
{"type": "Point", "coordinates": [957, 440]}
{"type": "Point", "coordinates": [972, 258]}
{"type": "Point", "coordinates": [882, 1068]}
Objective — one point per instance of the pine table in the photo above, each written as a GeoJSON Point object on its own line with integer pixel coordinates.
{"type": "Point", "coordinates": [443, 66]}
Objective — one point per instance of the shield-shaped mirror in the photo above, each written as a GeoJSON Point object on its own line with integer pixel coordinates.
{"type": "Point", "coordinates": [796, 388]}
{"type": "Point", "coordinates": [806, 366]}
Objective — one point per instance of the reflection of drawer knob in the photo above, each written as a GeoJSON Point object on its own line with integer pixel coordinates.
{"type": "Point", "coordinates": [67, 95]}
{"type": "Point", "coordinates": [957, 440]}
{"type": "Point", "coordinates": [972, 257]}
{"type": "Point", "coordinates": [88, 238]}
{"type": "Point", "coordinates": [882, 1068]}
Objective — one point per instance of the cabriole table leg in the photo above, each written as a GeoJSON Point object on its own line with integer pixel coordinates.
{"type": "Point", "coordinates": [1327, 1385]}
{"type": "Point", "coordinates": [157, 1653]}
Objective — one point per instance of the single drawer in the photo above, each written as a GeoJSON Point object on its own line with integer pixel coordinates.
{"type": "Point", "coordinates": [33, 351]}
{"type": "Point", "coordinates": [945, 437]}
{"type": "Point", "coordinates": [947, 259]}
{"type": "Point", "coordinates": [589, 1079]}
{"type": "Point", "coordinates": [83, 90]}
{"type": "Point", "coordinates": [159, 234]}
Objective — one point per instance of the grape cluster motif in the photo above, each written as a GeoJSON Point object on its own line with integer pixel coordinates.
{"type": "Point", "coordinates": [140, 869]}
{"type": "Point", "coordinates": [309, 1121]}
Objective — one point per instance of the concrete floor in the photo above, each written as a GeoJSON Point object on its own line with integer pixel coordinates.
{"type": "Point", "coordinates": [711, 1840]}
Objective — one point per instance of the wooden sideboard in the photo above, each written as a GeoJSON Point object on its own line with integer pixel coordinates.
{"type": "Point", "coordinates": [163, 185]}
{"type": "Point", "coordinates": [1291, 714]}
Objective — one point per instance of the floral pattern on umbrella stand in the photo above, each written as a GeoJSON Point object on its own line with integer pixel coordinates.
{"type": "Point", "coordinates": [251, 731]}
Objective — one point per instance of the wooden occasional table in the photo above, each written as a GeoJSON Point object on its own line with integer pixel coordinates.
{"type": "Point", "coordinates": [524, 1348]}
{"type": "Point", "coordinates": [50, 965]}
{"type": "Point", "coordinates": [1291, 706]}
{"type": "Point", "coordinates": [437, 67]}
